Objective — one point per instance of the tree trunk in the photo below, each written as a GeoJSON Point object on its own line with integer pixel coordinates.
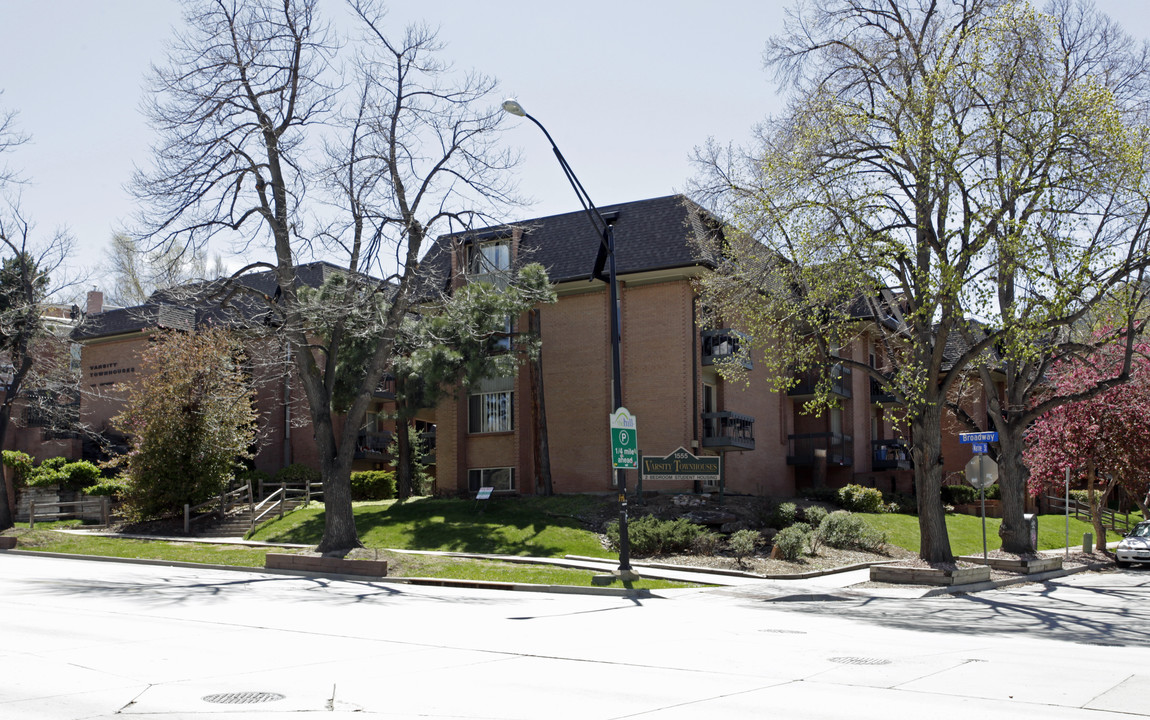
{"type": "Point", "coordinates": [1097, 501]}
{"type": "Point", "coordinates": [539, 411]}
{"type": "Point", "coordinates": [7, 487]}
{"type": "Point", "coordinates": [926, 451]}
{"type": "Point", "coordinates": [339, 533]}
{"type": "Point", "coordinates": [1012, 477]}
{"type": "Point", "coordinates": [403, 459]}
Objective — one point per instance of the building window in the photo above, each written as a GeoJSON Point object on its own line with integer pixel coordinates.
{"type": "Point", "coordinates": [490, 406]}
{"type": "Point", "coordinates": [489, 258]}
{"type": "Point", "coordinates": [502, 479]}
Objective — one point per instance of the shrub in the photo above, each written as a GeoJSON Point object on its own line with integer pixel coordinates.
{"type": "Point", "coordinates": [707, 542]}
{"type": "Point", "coordinates": [857, 498]}
{"type": "Point", "coordinates": [21, 464]}
{"type": "Point", "coordinates": [791, 541]}
{"type": "Point", "coordinates": [113, 487]}
{"type": "Point", "coordinates": [814, 515]}
{"type": "Point", "coordinates": [651, 536]}
{"type": "Point", "coordinates": [845, 530]}
{"type": "Point", "coordinates": [255, 477]}
{"type": "Point", "coordinates": [373, 485]}
{"type": "Point", "coordinates": [784, 515]}
{"type": "Point", "coordinates": [743, 542]}
{"type": "Point", "coordinates": [79, 475]}
{"type": "Point", "coordinates": [959, 494]}
{"type": "Point", "coordinates": [297, 474]}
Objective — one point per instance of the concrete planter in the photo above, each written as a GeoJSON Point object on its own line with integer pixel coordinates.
{"type": "Point", "coordinates": [7, 543]}
{"type": "Point", "coordinates": [338, 566]}
{"type": "Point", "coordinates": [1018, 565]}
{"type": "Point", "coordinates": [928, 576]}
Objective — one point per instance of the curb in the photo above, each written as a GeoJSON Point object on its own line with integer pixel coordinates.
{"type": "Point", "coordinates": [435, 582]}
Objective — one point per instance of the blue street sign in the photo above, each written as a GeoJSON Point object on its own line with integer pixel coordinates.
{"type": "Point", "coordinates": [979, 437]}
{"type": "Point", "coordinates": [981, 448]}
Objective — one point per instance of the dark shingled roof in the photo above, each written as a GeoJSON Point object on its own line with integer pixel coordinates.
{"type": "Point", "coordinates": [198, 304]}
{"type": "Point", "coordinates": [655, 234]}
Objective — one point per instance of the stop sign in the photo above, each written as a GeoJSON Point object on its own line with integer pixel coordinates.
{"type": "Point", "coordinates": [981, 472]}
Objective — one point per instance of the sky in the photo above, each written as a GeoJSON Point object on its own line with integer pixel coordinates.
{"type": "Point", "coordinates": [626, 88]}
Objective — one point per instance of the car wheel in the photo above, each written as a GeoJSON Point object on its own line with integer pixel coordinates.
{"type": "Point", "coordinates": [1122, 563]}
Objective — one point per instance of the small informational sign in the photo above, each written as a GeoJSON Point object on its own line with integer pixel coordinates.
{"type": "Point", "coordinates": [978, 437]}
{"type": "Point", "coordinates": [980, 448]}
{"type": "Point", "coordinates": [682, 465]}
{"type": "Point", "coordinates": [624, 440]}
{"type": "Point", "coordinates": [484, 493]}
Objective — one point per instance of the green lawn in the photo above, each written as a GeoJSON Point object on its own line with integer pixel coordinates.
{"type": "Point", "coordinates": [965, 532]}
{"type": "Point", "coordinates": [542, 527]}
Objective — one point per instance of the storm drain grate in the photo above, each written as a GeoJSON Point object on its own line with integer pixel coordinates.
{"type": "Point", "coordinates": [242, 698]}
{"type": "Point", "coordinates": [859, 661]}
{"type": "Point", "coordinates": [784, 632]}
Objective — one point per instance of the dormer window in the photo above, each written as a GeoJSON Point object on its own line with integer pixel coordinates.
{"type": "Point", "coordinates": [489, 257]}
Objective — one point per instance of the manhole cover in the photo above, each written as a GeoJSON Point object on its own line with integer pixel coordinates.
{"type": "Point", "coordinates": [242, 698]}
{"type": "Point", "coordinates": [859, 661]}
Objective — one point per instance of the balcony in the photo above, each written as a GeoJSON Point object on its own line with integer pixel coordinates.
{"type": "Point", "coordinates": [728, 431]}
{"type": "Point", "coordinates": [805, 448]}
{"type": "Point", "coordinates": [880, 393]}
{"type": "Point", "coordinates": [372, 444]}
{"type": "Point", "coordinates": [726, 345]}
{"type": "Point", "coordinates": [808, 382]}
{"type": "Point", "coordinates": [890, 455]}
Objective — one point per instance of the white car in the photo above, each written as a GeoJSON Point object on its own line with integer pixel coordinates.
{"type": "Point", "coordinates": [1135, 547]}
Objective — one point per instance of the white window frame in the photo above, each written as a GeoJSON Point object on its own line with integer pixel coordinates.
{"type": "Point", "coordinates": [491, 406]}
{"type": "Point", "coordinates": [489, 257]}
{"type": "Point", "coordinates": [500, 478]}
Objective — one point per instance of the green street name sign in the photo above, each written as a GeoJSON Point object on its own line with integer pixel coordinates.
{"type": "Point", "coordinates": [624, 440]}
{"type": "Point", "coordinates": [681, 465]}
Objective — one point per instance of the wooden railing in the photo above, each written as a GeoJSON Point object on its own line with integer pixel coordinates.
{"type": "Point", "coordinates": [1081, 511]}
{"type": "Point", "coordinates": [101, 503]}
{"type": "Point", "coordinates": [222, 504]}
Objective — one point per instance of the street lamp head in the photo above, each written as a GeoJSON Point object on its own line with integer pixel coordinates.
{"type": "Point", "coordinates": [512, 106]}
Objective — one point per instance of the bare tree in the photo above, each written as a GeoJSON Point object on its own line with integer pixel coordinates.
{"type": "Point", "coordinates": [246, 106]}
{"type": "Point", "coordinates": [136, 273]}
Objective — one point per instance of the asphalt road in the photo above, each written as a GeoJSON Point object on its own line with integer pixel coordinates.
{"type": "Point", "coordinates": [109, 640]}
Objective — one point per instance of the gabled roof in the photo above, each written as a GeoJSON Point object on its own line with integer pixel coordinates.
{"type": "Point", "coordinates": [197, 304]}
{"type": "Point", "coordinates": [655, 234]}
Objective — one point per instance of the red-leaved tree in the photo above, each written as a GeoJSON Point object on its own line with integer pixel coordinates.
{"type": "Point", "coordinates": [1104, 439]}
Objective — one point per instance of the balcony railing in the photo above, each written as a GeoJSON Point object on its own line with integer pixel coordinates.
{"type": "Point", "coordinates": [728, 431]}
{"type": "Point", "coordinates": [805, 448]}
{"type": "Point", "coordinates": [879, 393]}
{"type": "Point", "coordinates": [726, 345]}
{"type": "Point", "coordinates": [839, 377]}
{"type": "Point", "coordinates": [372, 444]}
{"type": "Point", "coordinates": [890, 455]}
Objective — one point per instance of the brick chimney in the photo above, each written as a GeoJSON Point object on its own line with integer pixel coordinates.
{"type": "Point", "coordinates": [95, 302]}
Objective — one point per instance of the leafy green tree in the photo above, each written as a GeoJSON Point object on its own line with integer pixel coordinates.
{"type": "Point", "coordinates": [932, 154]}
{"type": "Point", "coordinates": [191, 420]}
{"type": "Point", "coordinates": [453, 341]}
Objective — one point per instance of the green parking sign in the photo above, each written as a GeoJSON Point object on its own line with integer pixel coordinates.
{"type": "Point", "coordinates": [624, 440]}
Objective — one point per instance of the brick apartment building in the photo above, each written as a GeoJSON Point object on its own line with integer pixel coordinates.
{"type": "Point", "coordinates": [486, 436]}
{"type": "Point", "coordinates": [111, 340]}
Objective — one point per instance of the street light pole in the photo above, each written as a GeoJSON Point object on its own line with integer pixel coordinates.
{"type": "Point", "coordinates": [606, 256]}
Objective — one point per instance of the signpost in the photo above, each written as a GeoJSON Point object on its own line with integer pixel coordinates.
{"type": "Point", "coordinates": [982, 472]}
{"type": "Point", "coordinates": [624, 440]}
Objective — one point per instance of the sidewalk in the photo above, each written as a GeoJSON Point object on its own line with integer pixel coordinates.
{"type": "Point", "coordinates": [825, 585]}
